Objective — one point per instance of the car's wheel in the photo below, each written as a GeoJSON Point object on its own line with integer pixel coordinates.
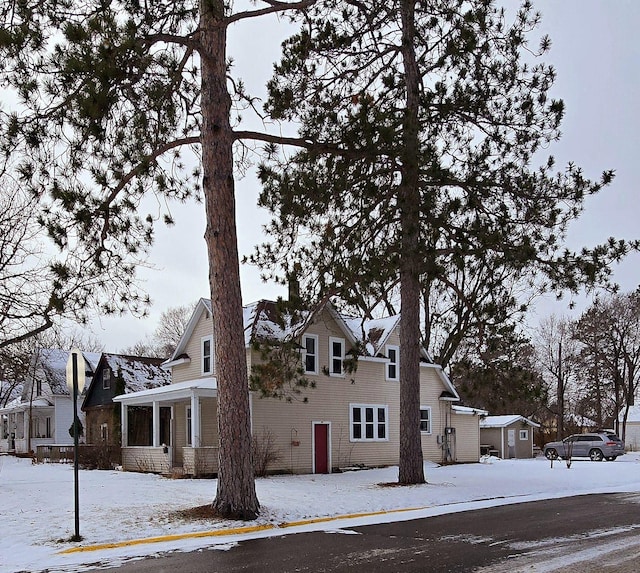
{"type": "Point", "coordinates": [551, 454]}
{"type": "Point", "coordinates": [611, 458]}
{"type": "Point", "coordinates": [596, 455]}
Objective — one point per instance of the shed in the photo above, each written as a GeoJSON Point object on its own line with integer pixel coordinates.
{"type": "Point", "coordinates": [509, 436]}
{"type": "Point", "coordinates": [632, 428]}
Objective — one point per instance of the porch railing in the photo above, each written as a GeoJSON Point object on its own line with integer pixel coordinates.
{"type": "Point", "coordinates": [54, 453]}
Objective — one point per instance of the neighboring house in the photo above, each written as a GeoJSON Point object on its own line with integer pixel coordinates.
{"type": "Point", "coordinates": [632, 428]}
{"type": "Point", "coordinates": [349, 418]}
{"type": "Point", "coordinates": [115, 375]}
{"type": "Point", "coordinates": [510, 436]}
{"type": "Point", "coordinates": [43, 413]}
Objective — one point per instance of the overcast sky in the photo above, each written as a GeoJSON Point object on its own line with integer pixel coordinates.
{"type": "Point", "coordinates": [597, 58]}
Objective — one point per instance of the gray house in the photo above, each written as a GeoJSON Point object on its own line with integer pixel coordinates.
{"type": "Point", "coordinates": [509, 436]}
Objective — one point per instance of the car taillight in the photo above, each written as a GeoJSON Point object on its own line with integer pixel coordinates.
{"type": "Point", "coordinates": [611, 444]}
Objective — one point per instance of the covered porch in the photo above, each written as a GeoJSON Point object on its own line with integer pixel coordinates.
{"type": "Point", "coordinates": [171, 428]}
{"type": "Point", "coordinates": [26, 425]}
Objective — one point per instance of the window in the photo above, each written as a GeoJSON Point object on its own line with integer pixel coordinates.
{"type": "Point", "coordinates": [207, 355]}
{"type": "Point", "coordinates": [35, 427]}
{"type": "Point", "coordinates": [48, 427]}
{"type": "Point", "coordinates": [425, 419]}
{"type": "Point", "coordinates": [310, 353]}
{"type": "Point", "coordinates": [524, 434]}
{"type": "Point", "coordinates": [38, 387]}
{"type": "Point", "coordinates": [188, 425]}
{"type": "Point", "coordinates": [368, 423]}
{"type": "Point", "coordinates": [393, 354]}
{"type": "Point", "coordinates": [106, 378]}
{"type": "Point", "coordinates": [104, 432]}
{"type": "Point", "coordinates": [336, 356]}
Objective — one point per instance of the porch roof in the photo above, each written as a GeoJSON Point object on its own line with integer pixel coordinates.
{"type": "Point", "coordinates": [18, 405]}
{"type": "Point", "coordinates": [202, 387]}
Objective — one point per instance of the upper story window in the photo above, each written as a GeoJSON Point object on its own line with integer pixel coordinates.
{"type": "Point", "coordinates": [310, 353]}
{"type": "Point", "coordinates": [207, 355]}
{"type": "Point", "coordinates": [38, 387]}
{"type": "Point", "coordinates": [393, 366]}
{"type": "Point", "coordinates": [336, 356]}
{"type": "Point", "coordinates": [106, 378]}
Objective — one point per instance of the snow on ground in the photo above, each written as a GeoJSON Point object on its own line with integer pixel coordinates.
{"type": "Point", "coordinates": [37, 504]}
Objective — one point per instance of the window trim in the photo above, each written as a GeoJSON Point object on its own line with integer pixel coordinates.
{"type": "Point", "coordinates": [524, 432]}
{"type": "Point", "coordinates": [376, 423]}
{"type": "Point", "coordinates": [395, 363]}
{"type": "Point", "coordinates": [203, 370]}
{"type": "Point", "coordinates": [315, 355]}
{"type": "Point", "coordinates": [332, 357]}
{"type": "Point", "coordinates": [430, 430]}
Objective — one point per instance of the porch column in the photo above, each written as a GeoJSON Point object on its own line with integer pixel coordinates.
{"type": "Point", "coordinates": [156, 424]}
{"type": "Point", "coordinates": [124, 425]}
{"type": "Point", "coordinates": [195, 421]}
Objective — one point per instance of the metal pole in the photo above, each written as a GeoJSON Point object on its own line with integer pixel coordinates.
{"type": "Point", "coordinates": [74, 358]}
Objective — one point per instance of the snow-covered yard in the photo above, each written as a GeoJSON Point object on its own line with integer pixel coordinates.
{"type": "Point", "coordinates": [37, 507]}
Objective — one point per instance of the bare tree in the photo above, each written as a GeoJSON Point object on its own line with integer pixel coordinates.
{"type": "Point", "coordinates": [556, 351]}
{"type": "Point", "coordinates": [164, 340]}
{"type": "Point", "coordinates": [609, 332]}
{"type": "Point", "coordinates": [40, 286]}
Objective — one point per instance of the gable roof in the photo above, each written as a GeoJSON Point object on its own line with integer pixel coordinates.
{"type": "Point", "coordinates": [372, 333]}
{"type": "Point", "coordinates": [263, 320]}
{"type": "Point", "coordinates": [51, 367]}
{"type": "Point", "coordinates": [506, 420]}
{"type": "Point", "coordinates": [137, 372]}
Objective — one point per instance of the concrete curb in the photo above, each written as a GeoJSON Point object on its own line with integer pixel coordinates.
{"type": "Point", "coordinates": [230, 531]}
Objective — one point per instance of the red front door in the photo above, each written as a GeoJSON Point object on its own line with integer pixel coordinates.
{"type": "Point", "coordinates": [321, 452]}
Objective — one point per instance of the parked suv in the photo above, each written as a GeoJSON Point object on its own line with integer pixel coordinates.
{"type": "Point", "coordinates": [596, 446]}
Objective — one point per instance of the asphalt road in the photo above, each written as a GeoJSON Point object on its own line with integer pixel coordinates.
{"type": "Point", "coordinates": [586, 534]}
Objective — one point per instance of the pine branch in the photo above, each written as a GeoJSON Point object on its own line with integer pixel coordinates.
{"type": "Point", "coordinates": [274, 8]}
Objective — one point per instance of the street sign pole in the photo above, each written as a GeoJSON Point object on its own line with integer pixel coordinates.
{"type": "Point", "coordinates": [74, 358]}
{"type": "Point", "coordinates": [75, 383]}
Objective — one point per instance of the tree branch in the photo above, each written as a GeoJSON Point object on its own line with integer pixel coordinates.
{"type": "Point", "coordinates": [274, 8]}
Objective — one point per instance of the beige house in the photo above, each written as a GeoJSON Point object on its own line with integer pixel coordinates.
{"type": "Point", "coordinates": [347, 419]}
{"type": "Point", "coordinates": [509, 436]}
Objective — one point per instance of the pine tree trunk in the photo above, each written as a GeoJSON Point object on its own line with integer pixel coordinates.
{"type": "Point", "coordinates": [411, 469]}
{"type": "Point", "coordinates": [236, 496]}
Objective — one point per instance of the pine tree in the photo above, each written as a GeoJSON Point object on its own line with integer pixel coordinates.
{"type": "Point", "coordinates": [114, 100]}
{"type": "Point", "coordinates": [442, 116]}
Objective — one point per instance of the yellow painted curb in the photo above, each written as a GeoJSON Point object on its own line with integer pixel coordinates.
{"type": "Point", "coordinates": [222, 532]}
{"type": "Point", "coordinates": [163, 538]}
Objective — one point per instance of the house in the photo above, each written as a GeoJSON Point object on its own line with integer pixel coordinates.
{"type": "Point", "coordinates": [43, 413]}
{"type": "Point", "coordinates": [631, 430]}
{"type": "Point", "coordinates": [115, 375]}
{"type": "Point", "coordinates": [509, 436]}
{"type": "Point", "coordinates": [347, 419]}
